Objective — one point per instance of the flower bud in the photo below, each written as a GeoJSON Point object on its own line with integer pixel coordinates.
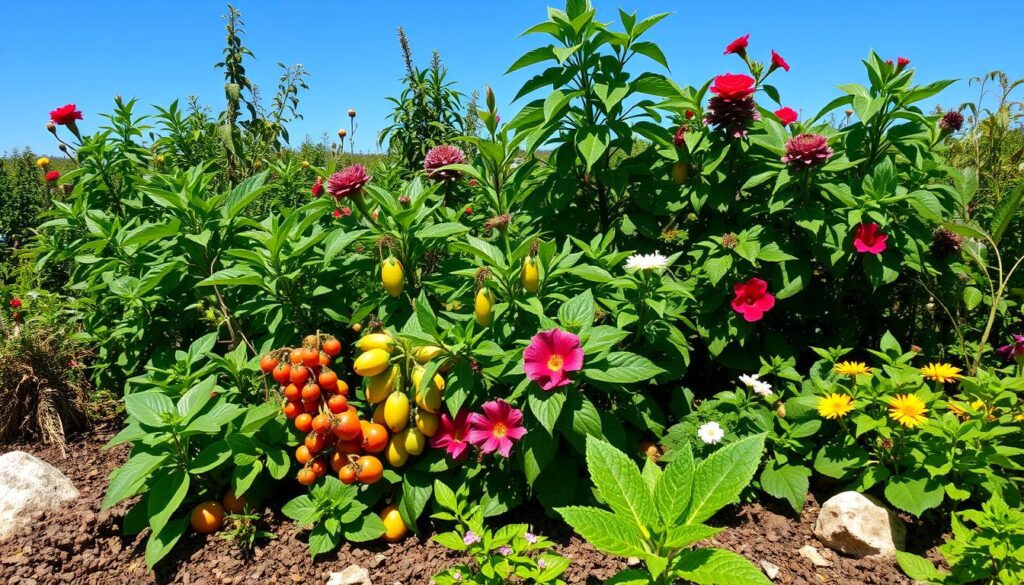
{"type": "Point", "coordinates": [490, 99]}
{"type": "Point", "coordinates": [351, 113]}
{"type": "Point", "coordinates": [404, 201]}
{"type": "Point", "coordinates": [50, 127]}
{"type": "Point", "coordinates": [342, 133]}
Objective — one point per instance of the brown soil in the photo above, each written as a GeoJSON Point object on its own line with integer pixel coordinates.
{"type": "Point", "coordinates": [81, 545]}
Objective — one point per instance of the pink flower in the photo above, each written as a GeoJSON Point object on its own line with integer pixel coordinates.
{"type": "Point", "coordinates": [1014, 351]}
{"type": "Point", "coordinates": [65, 115]}
{"type": "Point", "coordinates": [806, 151]}
{"type": "Point", "coordinates": [469, 211]}
{"type": "Point", "coordinates": [787, 115]}
{"type": "Point", "coordinates": [15, 303]}
{"type": "Point", "coordinates": [733, 86]}
{"type": "Point", "coordinates": [497, 428]}
{"type": "Point", "coordinates": [452, 435]}
{"type": "Point", "coordinates": [472, 183]}
{"type": "Point", "coordinates": [318, 187]}
{"type": "Point", "coordinates": [550, 356]}
{"type": "Point", "coordinates": [680, 138]}
{"type": "Point", "coordinates": [738, 47]}
{"type": "Point", "coordinates": [752, 299]}
{"type": "Point", "coordinates": [441, 156]}
{"type": "Point", "coordinates": [779, 62]}
{"type": "Point", "coordinates": [346, 211]}
{"type": "Point", "coordinates": [336, 213]}
{"type": "Point", "coordinates": [868, 240]}
{"type": "Point", "coordinates": [348, 182]}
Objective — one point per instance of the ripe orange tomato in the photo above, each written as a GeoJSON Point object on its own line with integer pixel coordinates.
{"type": "Point", "coordinates": [325, 360]}
{"type": "Point", "coordinates": [295, 356]}
{"type": "Point", "coordinates": [268, 363]}
{"type": "Point", "coordinates": [310, 357]}
{"type": "Point", "coordinates": [302, 454]}
{"type": "Point", "coordinates": [327, 379]}
{"type": "Point", "coordinates": [347, 475]}
{"type": "Point", "coordinates": [338, 460]}
{"type": "Point", "coordinates": [310, 341]}
{"type": "Point", "coordinates": [292, 409]}
{"type": "Point", "coordinates": [347, 427]}
{"type": "Point", "coordinates": [292, 392]}
{"type": "Point", "coordinates": [322, 424]}
{"type": "Point", "coordinates": [353, 447]}
{"type": "Point", "coordinates": [342, 388]}
{"type": "Point", "coordinates": [310, 392]}
{"type": "Point", "coordinates": [375, 438]}
{"type": "Point", "coordinates": [282, 373]}
{"type": "Point", "coordinates": [337, 404]}
{"type": "Point", "coordinates": [332, 347]}
{"type": "Point", "coordinates": [306, 476]}
{"type": "Point", "coordinates": [299, 375]}
{"type": "Point", "coordinates": [304, 422]}
{"type": "Point", "coordinates": [315, 443]}
{"type": "Point", "coordinates": [369, 469]}
{"type": "Point", "coordinates": [319, 467]}
{"type": "Point", "coordinates": [311, 408]}
{"type": "Point", "coordinates": [207, 517]}
{"type": "Point", "coordinates": [234, 504]}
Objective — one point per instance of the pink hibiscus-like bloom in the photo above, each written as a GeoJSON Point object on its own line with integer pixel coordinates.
{"type": "Point", "coordinates": [497, 428]}
{"type": "Point", "coordinates": [778, 62]}
{"type": "Point", "coordinates": [441, 156]}
{"type": "Point", "coordinates": [806, 151]}
{"type": "Point", "coordinates": [868, 240]}
{"type": "Point", "coordinates": [550, 357]}
{"type": "Point", "coordinates": [738, 47]}
{"type": "Point", "coordinates": [451, 436]}
{"type": "Point", "coordinates": [65, 115]}
{"type": "Point", "coordinates": [787, 115]}
{"type": "Point", "coordinates": [348, 182]}
{"type": "Point", "coordinates": [752, 299]}
{"type": "Point", "coordinates": [1013, 351]}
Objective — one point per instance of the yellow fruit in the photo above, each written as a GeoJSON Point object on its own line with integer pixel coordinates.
{"type": "Point", "coordinates": [396, 411]}
{"type": "Point", "coordinates": [394, 526]}
{"type": "Point", "coordinates": [531, 275]}
{"type": "Point", "coordinates": [426, 423]}
{"type": "Point", "coordinates": [428, 352]}
{"type": "Point", "coordinates": [429, 399]}
{"type": "Point", "coordinates": [417, 377]}
{"type": "Point", "coordinates": [381, 386]}
{"type": "Point", "coordinates": [376, 341]}
{"type": "Point", "coordinates": [378, 415]}
{"type": "Point", "coordinates": [413, 440]}
{"type": "Point", "coordinates": [391, 276]}
{"type": "Point", "coordinates": [483, 307]}
{"type": "Point", "coordinates": [396, 453]}
{"type": "Point", "coordinates": [207, 517]}
{"type": "Point", "coordinates": [372, 362]}
{"type": "Point", "coordinates": [680, 171]}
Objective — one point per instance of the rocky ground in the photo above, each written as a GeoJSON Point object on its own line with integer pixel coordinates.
{"type": "Point", "coordinates": [79, 544]}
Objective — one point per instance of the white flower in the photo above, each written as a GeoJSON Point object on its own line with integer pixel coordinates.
{"type": "Point", "coordinates": [749, 380]}
{"type": "Point", "coordinates": [762, 388]}
{"type": "Point", "coordinates": [711, 433]}
{"type": "Point", "coordinates": [646, 261]}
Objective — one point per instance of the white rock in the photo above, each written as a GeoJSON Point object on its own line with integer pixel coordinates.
{"type": "Point", "coordinates": [29, 485]}
{"type": "Point", "coordinates": [352, 575]}
{"type": "Point", "coordinates": [770, 569]}
{"type": "Point", "coordinates": [810, 553]}
{"type": "Point", "coordinates": [859, 526]}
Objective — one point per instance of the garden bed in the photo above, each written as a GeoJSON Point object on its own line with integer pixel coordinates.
{"type": "Point", "coordinates": [81, 545]}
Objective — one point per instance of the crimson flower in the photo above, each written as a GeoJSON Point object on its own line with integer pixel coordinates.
{"type": "Point", "coordinates": [902, 62]}
{"type": "Point", "coordinates": [550, 357]}
{"type": "Point", "coordinates": [868, 240]}
{"type": "Point", "coordinates": [469, 211]}
{"type": "Point", "coordinates": [442, 156]}
{"type": "Point", "coordinates": [787, 115]}
{"type": "Point", "coordinates": [1014, 351]}
{"type": "Point", "coordinates": [451, 436]}
{"type": "Point", "coordinates": [472, 183]}
{"type": "Point", "coordinates": [348, 182]}
{"type": "Point", "coordinates": [65, 115]}
{"type": "Point", "coordinates": [733, 86]}
{"type": "Point", "coordinates": [689, 114]}
{"type": "Point", "coordinates": [752, 299]}
{"type": "Point", "coordinates": [346, 211]}
{"type": "Point", "coordinates": [738, 47]}
{"type": "Point", "coordinates": [732, 108]}
{"type": "Point", "coordinates": [336, 213]}
{"type": "Point", "coordinates": [497, 428]}
{"type": "Point", "coordinates": [778, 62]}
{"type": "Point", "coordinates": [318, 187]}
{"type": "Point", "coordinates": [952, 121]}
{"type": "Point", "coordinates": [52, 176]}
{"type": "Point", "coordinates": [15, 303]}
{"type": "Point", "coordinates": [806, 151]}
{"type": "Point", "coordinates": [680, 138]}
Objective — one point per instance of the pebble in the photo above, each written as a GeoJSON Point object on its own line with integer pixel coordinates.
{"type": "Point", "coordinates": [770, 569]}
{"type": "Point", "coordinates": [810, 553]}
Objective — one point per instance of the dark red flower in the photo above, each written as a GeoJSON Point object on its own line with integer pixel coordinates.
{"type": "Point", "coordinates": [441, 156]}
{"type": "Point", "coordinates": [469, 211]}
{"type": "Point", "coordinates": [473, 183]}
{"type": "Point", "coordinates": [752, 299]}
{"type": "Point", "coordinates": [946, 243]}
{"type": "Point", "coordinates": [52, 176]}
{"type": "Point", "coordinates": [779, 62]}
{"type": "Point", "coordinates": [1014, 351]}
{"type": "Point", "coordinates": [348, 182]}
{"type": "Point", "coordinates": [689, 114]}
{"type": "Point", "coordinates": [733, 86]}
{"type": "Point", "coordinates": [680, 138]}
{"type": "Point", "coordinates": [65, 115]}
{"type": "Point", "coordinates": [336, 213]}
{"type": "Point", "coordinates": [806, 151]}
{"type": "Point", "coordinates": [868, 240]}
{"type": "Point", "coordinates": [787, 115]}
{"type": "Point", "coordinates": [902, 62]}
{"type": "Point", "coordinates": [318, 187]}
{"type": "Point", "coordinates": [738, 47]}
{"type": "Point", "coordinates": [952, 121]}
{"type": "Point", "coordinates": [15, 303]}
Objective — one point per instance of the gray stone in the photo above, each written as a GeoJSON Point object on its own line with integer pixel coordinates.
{"type": "Point", "coordinates": [770, 569]}
{"type": "Point", "coordinates": [859, 526]}
{"type": "Point", "coordinates": [352, 575]}
{"type": "Point", "coordinates": [29, 487]}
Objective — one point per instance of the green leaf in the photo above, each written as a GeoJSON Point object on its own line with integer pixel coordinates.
{"type": "Point", "coordinates": [619, 483]}
{"type": "Point", "coordinates": [445, 496]}
{"type": "Point", "coordinates": [675, 486]}
{"type": "Point", "coordinates": [166, 495]}
{"type": "Point", "coordinates": [605, 531]}
{"type": "Point", "coordinates": [624, 367]}
{"type": "Point", "coordinates": [365, 528]}
{"type": "Point", "coordinates": [721, 477]}
{"type": "Point", "coordinates": [715, 566]}
{"type": "Point", "coordinates": [592, 142]}
{"type": "Point", "coordinates": [442, 230]}
{"type": "Point", "coordinates": [919, 568]}
{"type": "Point", "coordinates": [538, 55]}
{"type": "Point", "coordinates": [303, 510]}
{"type": "Point", "coordinates": [1006, 211]}
{"type": "Point", "coordinates": [214, 455]}
{"type": "Point", "coordinates": [127, 480]}
{"type": "Point", "coordinates": [338, 240]}
{"type": "Point", "coordinates": [788, 482]}
{"type": "Point", "coordinates": [547, 407]}
{"type": "Point", "coordinates": [244, 193]}
{"type": "Point", "coordinates": [630, 577]}
{"type": "Point", "coordinates": [684, 535]}
{"type": "Point", "coordinates": [914, 495]}
{"type": "Point", "coordinates": [577, 312]}
{"type": "Point", "coordinates": [652, 50]}
{"type": "Point", "coordinates": [416, 492]}
{"type": "Point", "coordinates": [322, 540]}
{"type": "Point", "coordinates": [972, 298]}
{"type": "Point", "coordinates": [161, 543]}
{"type": "Point", "coordinates": [150, 407]}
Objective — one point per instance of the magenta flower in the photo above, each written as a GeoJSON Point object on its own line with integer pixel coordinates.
{"type": "Point", "coordinates": [452, 435]}
{"type": "Point", "coordinates": [348, 182]}
{"type": "Point", "coordinates": [497, 428]}
{"type": "Point", "coordinates": [550, 356]}
{"type": "Point", "coordinates": [1013, 351]}
{"type": "Point", "coordinates": [441, 156]}
{"type": "Point", "coordinates": [752, 299]}
{"type": "Point", "coordinates": [868, 240]}
{"type": "Point", "coordinates": [806, 151]}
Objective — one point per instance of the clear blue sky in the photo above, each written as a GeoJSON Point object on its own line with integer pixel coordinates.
{"type": "Point", "coordinates": [86, 52]}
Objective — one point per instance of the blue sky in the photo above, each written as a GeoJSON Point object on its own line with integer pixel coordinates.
{"type": "Point", "coordinates": [86, 52]}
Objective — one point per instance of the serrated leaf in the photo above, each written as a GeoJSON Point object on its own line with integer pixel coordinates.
{"type": "Point", "coordinates": [714, 566]}
{"type": "Point", "coordinates": [721, 477]}
{"type": "Point", "coordinates": [788, 482]}
{"type": "Point", "coordinates": [619, 483]}
{"type": "Point", "coordinates": [606, 531]}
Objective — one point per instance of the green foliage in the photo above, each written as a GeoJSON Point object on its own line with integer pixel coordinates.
{"type": "Point", "coordinates": [244, 531]}
{"type": "Point", "coordinates": [335, 511]}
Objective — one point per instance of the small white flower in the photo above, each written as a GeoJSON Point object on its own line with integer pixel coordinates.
{"type": "Point", "coordinates": [457, 576]}
{"type": "Point", "coordinates": [749, 380]}
{"type": "Point", "coordinates": [711, 433]}
{"type": "Point", "coordinates": [646, 261]}
{"type": "Point", "coordinates": [33, 294]}
{"type": "Point", "coordinates": [762, 388]}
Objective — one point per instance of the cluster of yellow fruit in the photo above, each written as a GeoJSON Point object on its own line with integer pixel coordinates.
{"type": "Point", "coordinates": [393, 374]}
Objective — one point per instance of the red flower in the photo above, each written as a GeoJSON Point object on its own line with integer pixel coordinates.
{"type": "Point", "coordinates": [902, 62]}
{"type": "Point", "coordinates": [738, 47]}
{"type": "Point", "coordinates": [888, 61]}
{"type": "Point", "coordinates": [952, 121]}
{"type": "Point", "coordinates": [787, 115]}
{"type": "Point", "coordinates": [349, 182]}
{"type": "Point", "coordinates": [778, 61]}
{"type": "Point", "coordinates": [806, 151]}
{"type": "Point", "coordinates": [15, 303]}
{"type": "Point", "coordinates": [441, 156]}
{"type": "Point", "coordinates": [680, 138]}
{"type": "Point", "coordinates": [451, 435]}
{"type": "Point", "coordinates": [346, 211]}
{"type": "Point", "coordinates": [689, 114]}
{"type": "Point", "coordinates": [469, 211]}
{"type": "Point", "coordinates": [318, 187]}
{"type": "Point", "coordinates": [752, 299]}
{"type": "Point", "coordinates": [65, 115]}
{"type": "Point", "coordinates": [52, 176]}
{"type": "Point", "coordinates": [733, 86]}
{"type": "Point", "coordinates": [868, 240]}
{"type": "Point", "coordinates": [473, 183]}
{"type": "Point", "coordinates": [336, 213]}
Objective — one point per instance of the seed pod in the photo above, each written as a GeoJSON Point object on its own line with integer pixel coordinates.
{"type": "Point", "coordinates": [413, 440]}
{"type": "Point", "coordinates": [531, 275]}
{"type": "Point", "coordinates": [680, 171]}
{"type": "Point", "coordinates": [381, 386]}
{"type": "Point", "coordinates": [428, 352]}
{"type": "Point", "coordinates": [376, 341]}
{"type": "Point", "coordinates": [483, 307]}
{"type": "Point", "coordinates": [396, 453]}
{"type": "Point", "coordinates": [426, 422]}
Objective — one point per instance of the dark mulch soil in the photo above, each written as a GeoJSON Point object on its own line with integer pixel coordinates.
{"type": "Point", "coordinates": [81, 545]}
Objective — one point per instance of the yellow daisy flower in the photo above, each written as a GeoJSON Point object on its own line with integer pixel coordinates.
{"type": "Point", "coordinates": [835, 405]}
{"type": "Point", "coordinates": [908, 410]}
{"type": "Point", "coordinates": [42, 162]}
{"type": "Point", "coordinates": [852, 368]}
{"type": "Point", "coordinates": [940, 372]}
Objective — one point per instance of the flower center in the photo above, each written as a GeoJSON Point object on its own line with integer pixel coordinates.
{"type": "Point", "coordinates": [555, 363]}
{"type": "Point", "coordinates": [499, 430]}
{"type": "Point", "coordinates": [458, 434]}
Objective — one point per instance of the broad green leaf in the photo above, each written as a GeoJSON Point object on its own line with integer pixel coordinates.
{"type": "Point", "coordinates": [167, 493]}
{"type": "Point", "coordinates": [322, 540]}
{"type": "Point", "coordinates": [721, 477]}
{"type": "Point", "coordinates": [365, 528]}
{"type": "Point", "coordinates": [619, 483]}
{"type": "Point", "coordinates": [608, 532]}
{"type": "Point", "coordinates": [919, 568]}
{"type": "Point", "coordinates": [592, 142]}
{"type": "Point", "coordinates": [150, 408]}
{"type": "Point", "coordinates": [714, 566]}
{"type": "Point", "coordinates": [675, 486]}
{"type": "Point", "coordinates": [416, 492]}
{"type": "Point", "coordinates": [624, 367]}
{"type": "Point", "coordinates": [303, 510]}
{"type": "Point", "coordinates": [127, 480]}
{"type": "Point", "coordinates": [684, 535]}
{"type": "Point", "coordinates": [788, 482]}
{"type": "Point", "coordinates": [161, 543]}
{"type": "Point", "coordinates": [914, 495]}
